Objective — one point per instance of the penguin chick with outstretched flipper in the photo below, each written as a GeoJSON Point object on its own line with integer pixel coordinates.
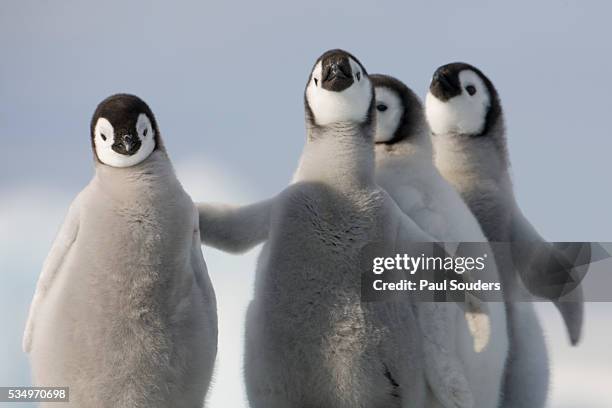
{"type": "Point", "coordinates": [405, 169]}
{"type": "Point", "coordinates": [310, 341]}
{"type": "Point", "coordinates": [124, 313]}
{"type": "Point", "coordinates": [465, 115]}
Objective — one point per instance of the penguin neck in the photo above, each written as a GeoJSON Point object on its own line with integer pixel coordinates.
{"type": "Point", "coordinates": [118, 180]}
{"type": "Point", "coordinates": [402, 163]}
{"type": "Point", "coordinates": [340, 155]}
{"type": "Point", "coordinates": [415, 147]}
{"type": "Point", "coordinates": [467, 161]}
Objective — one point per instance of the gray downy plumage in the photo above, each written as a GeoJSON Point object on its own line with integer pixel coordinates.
{"type": "Point", "coordinates": [466, 118]}
{"type": "Point", "coordinates": [310, 341]}
{"type": "Point", "coordinates": [124, 312]}
{"type": "Point", "coordinates": [405, 169]}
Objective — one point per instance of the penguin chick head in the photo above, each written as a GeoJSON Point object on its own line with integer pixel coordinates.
{"type": "Point", "coordinates": [399, 112]}
{"type": "Point", "coordinates": [123, 131]}
{"type": "Point", "coordinates": [462, 101]}
{"type": "Point", "coordinates": [338, 90]}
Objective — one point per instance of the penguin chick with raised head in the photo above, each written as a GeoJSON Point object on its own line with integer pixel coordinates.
{"type": "Point", "coordinates": [467, 126]}
{"type": "Point", "coordinates": [405, 169]}
{"type": "Point", "coordinates": [310, 341]}
{"type": "Point", "coordinates": [124, 313]}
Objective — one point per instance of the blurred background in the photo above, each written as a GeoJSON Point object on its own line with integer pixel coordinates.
{"type": "Point", "coordinates": [225, 80]}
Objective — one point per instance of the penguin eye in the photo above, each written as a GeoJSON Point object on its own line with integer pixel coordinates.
{"type": "Point", "coordinates": [470, 89]}
{"type": "Point", "coordinates": [103, 136]}
{"type": "Point", "coordinates": [316, 81]}
{"type": "Point", "coordinates": [381, 107]}
{"type": "Point", "coordinates": [358, 75]}
{"type": "Point", "coordinates": [144, 133]}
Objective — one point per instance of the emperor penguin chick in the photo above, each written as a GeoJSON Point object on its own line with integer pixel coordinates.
{"type": "Point", "coordinates": [466, 120]}
{"type": "Point", "coordinates": [124, 313]}
{"type": "Point", "coordinates": [310, 341]}
{"type": "Point", "coordinates": [405, 169]}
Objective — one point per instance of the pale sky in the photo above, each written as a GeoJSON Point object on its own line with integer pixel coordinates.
{"type": "Point", "coordinates": [225, 81]}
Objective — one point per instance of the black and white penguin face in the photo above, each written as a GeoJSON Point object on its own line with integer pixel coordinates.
{"type": "Point", "coordinates": [389, 112]}
{"type": "Point", "coordinates": [459, 100]}
{"type": "Point", "coordinates": [124, 132]}
{"type": "Point", "coordinates": [338, 90]}
{"type": "Point", "coordinates": [399, 112]}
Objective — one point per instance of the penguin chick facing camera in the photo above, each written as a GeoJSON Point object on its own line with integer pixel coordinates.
{"type": "Point", "coordinates": [124, 313]}
{"type": "Point", "coordinates": [310, 341]}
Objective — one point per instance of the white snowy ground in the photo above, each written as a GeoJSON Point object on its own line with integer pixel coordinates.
{"type": "Point", "coordinates": [29, 218]}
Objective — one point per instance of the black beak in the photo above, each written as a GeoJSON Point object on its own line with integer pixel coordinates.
{"type": "Point", "coordinates": [127, 145]}
{"type": "Point", "coordinates": [337, 74]}
{"type": "Point", "coordinates": [445, 84]}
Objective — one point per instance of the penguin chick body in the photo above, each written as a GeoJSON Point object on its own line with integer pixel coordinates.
{"type": "Point", "coordinates": [310, 339]}
{"type": "Point", "coordinates": [465, 115]}
{"type": "Point", "coordinates": [124, 312]}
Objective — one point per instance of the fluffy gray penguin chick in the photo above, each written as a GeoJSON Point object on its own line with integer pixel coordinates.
{"type": "Point", "coordinates": [309, 339]}
{"type": "Point", "coordinates": [124, 312]}
{"type": "Point", "coordinates": [466, 119]}
{"type": "Point", "coordinates": [405, 169]}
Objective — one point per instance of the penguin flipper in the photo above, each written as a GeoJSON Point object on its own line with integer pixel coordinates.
{"type": "Point", "coordinates": [444, 372]}
{"type": "Point", "coordinates": [234, 229]}
{"type": "Point", "coordinates": [478, 322]}
{"type": "Point", "coordinates": [198, 264]}
{"type": "Point", "coordinates": [62, 244]}
{"type": "Point", "coordinates": [573, 315]}
{"type": "Point", "coordinates": [548, 272]}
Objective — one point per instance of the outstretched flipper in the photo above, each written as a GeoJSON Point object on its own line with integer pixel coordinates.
{"type": "Point", "coordinates": [551, 272]}
{"type": "Point", "coordinates": [234, 229]}
{"type": "Point", "coordinates": [62, 244]}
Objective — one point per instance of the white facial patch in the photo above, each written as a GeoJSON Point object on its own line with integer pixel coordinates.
{"type": "Point", "coordinates": [462, 114]}
{"type": "Point", "coordinates": [389, 111]}
{"type": "Point", "coordinates": [104, 138]}
{"type": "Point", "coordinates": [349, 105]}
